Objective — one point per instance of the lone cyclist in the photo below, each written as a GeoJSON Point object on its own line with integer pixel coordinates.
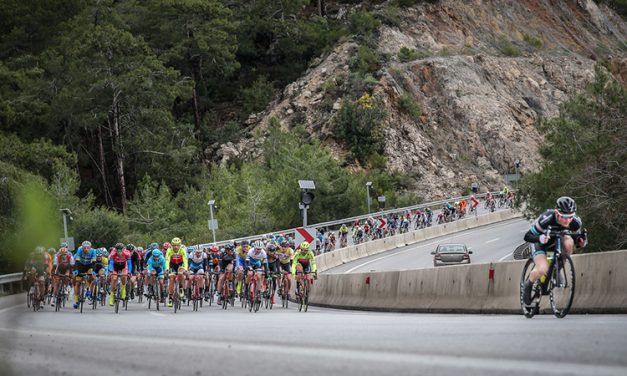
{"type": "Point", "coordinates": [562, 217]}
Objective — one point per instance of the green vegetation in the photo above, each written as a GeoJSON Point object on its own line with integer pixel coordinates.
{"type": "Point", "coordinates": [257, 97]}
{"type": "Point", "coordinates": [367, 60]}
{"type": "Point", "coordinates": [407, 54]}
{"type": "Point", "coordinates": [390, 15]}
{"type": "Point", "coordinates": [585, 158]}
{"type": "Point", "coordinates": [363, 22]}
{"type": "Point", "coordinates": [408, 104]}
{"type": "Point", "coordinates": [359, 124]}
{"type": "Point", "coordinates": [533, 41]}
{"type": "Point", "coordinates": [508, 49]}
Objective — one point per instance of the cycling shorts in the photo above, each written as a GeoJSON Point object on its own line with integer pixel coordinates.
{"type": "Point", "coordinates": [224, 264]}
{"type": "Point", "coordinates": [306, 265]}
{"type": "Point", "coordinates": [287, 268]}
{"type": "Point", "coordinates": [174, 268]}
{"type": "Point", "coordinates": [273, 267]}
{"type": "Point", "coordinates": [196, 270]}
{"type": "Point", "coordinates": [159, 271]}
{"type": "Point", "coordinates": [241, 263]}
{"type": "Point", "coordinates": [84, 269]}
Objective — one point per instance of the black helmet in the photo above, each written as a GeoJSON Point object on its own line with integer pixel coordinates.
{"type": "Point", "coordinates": [130, 247]}
{"type": "Point", "coordinates": [566, 205]}
{"type": "Point", "coordinates": [119, 246]}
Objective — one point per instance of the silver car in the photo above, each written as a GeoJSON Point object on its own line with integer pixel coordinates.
{"type": "Point", "coordinates": [451, 254]}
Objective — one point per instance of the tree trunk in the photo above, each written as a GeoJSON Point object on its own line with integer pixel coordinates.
{"type": "Point", "coordinates": [321, 8]}
{"type": "Point", "coordinates": [103, 171]}
{"type": "Point", "coordinates": [119, 156]}
{"type": "Point", "coordinates": [196, 113]}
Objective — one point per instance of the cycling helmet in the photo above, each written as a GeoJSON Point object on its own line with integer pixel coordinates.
{"type": "Point", "coordinates": [245, 242]}
{"type": "Point", "coordinates": [566, 205]}
{"type": "Point", "coordinates": [140, 249]}
{"type": "Point", "coordinates": [154, 246]}
{"type": "Point", "coordinates": [119, 247]}
{"type": "Point", "coordinates": [112, 249]}
{"type": "Point", "coordinates": [166, 245]}
{"type": "Point", "coordinates": [51, 250]}
{"type": "Point", "coordinates": [270, 247]}
{"type": "Point", "coordinates": [130, 247]}
{"type": "Point", "coordinates": [304, 246]}
{"type": "Point", "coordinates": [40, 249]}
{"type": "Point", "coordinates": [191, 249]}
{"type": "Point", "coordinates": [229, 248]}
{"type": "Point", "coordinates": [176, 241]}
{"type": "Point", "coordinates": [157, 254]}
{"type": "Point", "coordinates": [63, 245]}
{"type": "Point", "coordinates": [258, 244]}
{"type": "Point", "coordinates": [86, 244]}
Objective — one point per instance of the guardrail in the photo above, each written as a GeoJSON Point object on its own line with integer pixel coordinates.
{"type": "Point", "coordinates": [351, 219]}
{"type": "Point", "coordinates": [10, 282]}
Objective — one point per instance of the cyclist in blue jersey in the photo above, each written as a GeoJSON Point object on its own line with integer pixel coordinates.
{"type": "Point", "coordinates": [84, 263]}
{"type": "Point", "coordinates": [156, 267]}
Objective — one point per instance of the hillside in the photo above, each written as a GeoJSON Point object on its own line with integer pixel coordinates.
{"type": "Point", "coordinates": [480, 74]}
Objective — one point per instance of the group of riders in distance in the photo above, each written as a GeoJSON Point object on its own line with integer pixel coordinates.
{"type": "Point", "coordinates": [255, 273]}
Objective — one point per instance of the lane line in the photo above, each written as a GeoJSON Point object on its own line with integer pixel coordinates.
{"type": "Point", "coordinates": [506, 256]}
{"type": "Point", "coordinates": [11, 308]}
{"type": "Point", "coordinates": [493, 240]}
{"type": "Point", "coordinates": [424, 245]}
{"type": "Point", "coordinates": [463, 362]}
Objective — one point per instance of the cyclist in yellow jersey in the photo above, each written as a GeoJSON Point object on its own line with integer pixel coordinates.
{"type": "Point", "coordinates": [241, 252]}
{"type": "Point", "coordinates": [176, 265]}
{"type": "Point", "coordinates": [304, 262]}
{"type": "Point", "coordinates": [285, 255]}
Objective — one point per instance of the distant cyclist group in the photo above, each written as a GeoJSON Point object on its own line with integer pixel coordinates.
{"type": "Point", "coordinates": [255, 273]}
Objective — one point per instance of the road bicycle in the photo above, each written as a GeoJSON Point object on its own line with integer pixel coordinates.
{"type": "Point", "coordinates": [559, 283]}
{"type": "Point", "coordinates": [154, 293]}
{"type": "Point", "coordinates": [284, 290]}
{"type": "Point", "coordinates": [61, 295]}
{"type": "Point", "coordinates": [271, 283]}
{"type": "Point", "coordinates": [197, 293]}
{"type": "Point", "coordinates": [302, 291]}
{"type": "Point", "coordinates": [254, 292]}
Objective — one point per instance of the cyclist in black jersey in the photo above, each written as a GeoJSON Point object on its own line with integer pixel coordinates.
{"type": "Point", "coordinates": [562, 217]}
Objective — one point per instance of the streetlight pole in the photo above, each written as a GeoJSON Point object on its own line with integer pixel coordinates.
{"type": "Point", "coordinates": [368, 185]}
{"type": "Point", "coordinates": [65, 212]}
{"type": "Point", "coordinates": [213, 227]}
{"type": "Point", "coordinates": [306, 197]}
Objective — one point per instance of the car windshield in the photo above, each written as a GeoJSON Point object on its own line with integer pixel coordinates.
{"type": "Point", "coordinates": [452, 248]}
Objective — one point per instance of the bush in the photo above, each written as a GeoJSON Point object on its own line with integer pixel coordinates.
{"type": "Point", "coordinates": [363, 22]}
{"type": "Point", "coordinates": [257, 97]}
{"type": "Point", "coordinates": [508, 49]}
{"type": "Point", "coordinates": [367, 60]}
{"type": "Point", "coordinates": [409, 106]}
{"type": "Point", "coordinates": [407, 54]}
{"type": "Point", "coordinates": [390, 15]}
{"type": "Point", "coordinates": [358, 123]}
{"type": "Point", "coordinates": [101, 226]}
{"type": "Point", "coordinates": [533, 41]}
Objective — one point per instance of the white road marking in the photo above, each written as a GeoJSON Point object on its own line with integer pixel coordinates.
{"type": "Point", "coordinates": [493, 240]}
{"type": "Point", "coordinates": [498, 364]}
{"type": "Point", "coordinates": [424, 245]}
{"type": "Point", "coordinates": [10, 308]}
{"type": "Point", "coordinates": [156, 314]}
{"type": "Point", "coordinates": [506, 256]}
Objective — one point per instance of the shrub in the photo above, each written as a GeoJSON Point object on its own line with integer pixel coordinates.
{"type": "Point", "coordinates": [533, 41]}
{"type": "Point", "coordinates": [409, 105]}
{"type": "Point", "coordinates": [407, 54]}
{"type": "Point", "coordinates": [358, 123]}
{"type": "Point", "coordinates": [367, 60]}
{"type": "Point", "coordinates": [363, 22]}
{"type": "Point", "coordinates": [257, 97]}
{"type": "Point", "coordinates": [508, 49]}
{"type": "Point", "coordinates": [390, 15]}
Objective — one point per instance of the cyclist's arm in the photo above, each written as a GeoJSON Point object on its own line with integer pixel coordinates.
{"type": "Point", "coordinates": [129, 264]}
{"type": "Point", "coordinates": [168, 254]}
{"type": "Point", "coordinates": [185, 261]}
{"type": "Point", "coordinates": [313, 263]}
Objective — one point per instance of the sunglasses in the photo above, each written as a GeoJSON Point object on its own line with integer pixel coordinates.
{"type": "Point", "coordinates": [566, 216]}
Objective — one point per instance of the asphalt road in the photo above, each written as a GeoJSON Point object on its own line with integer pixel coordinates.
{"type": "Point", "coordinates": [321, 341]}
{"type": "Point", "coordinates": [488, 243]}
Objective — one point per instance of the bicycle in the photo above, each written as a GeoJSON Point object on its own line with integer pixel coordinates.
{"type": "Point", "coordinates": [33, 297]}
{"type": "Point", "coordinates": [176, 296]}
{"type": "Point", "coordinates": [82, 290]}
{"type": "Point", "coordinates": [61, 295]}
{"type": "Point", "coordinates": [284, 289]}
{"type": "Point", "coordinates": [303, 291]}
{"type": "Point", "coordinates": [559, 283]}
{"type": "Point", "coordinates": [270, 290]}
{"type": "Point", "coordinates": [196, 294]}
{"type": "Point", "coordinates": [140, 287]}
{"type": "Point", "coordinates": [227, 296]}
{"type": "Point", "coordinates": [254, 293]}
{"type": "Point", "coordinates": [154, 293]}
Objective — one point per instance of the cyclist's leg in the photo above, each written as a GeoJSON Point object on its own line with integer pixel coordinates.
{"type": "Point", "coordinates": [568, 245]}
{"type": "Point", "coordinates": [114, 285]}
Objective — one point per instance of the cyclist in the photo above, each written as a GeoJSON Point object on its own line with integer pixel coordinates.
{"type": "Point", "coordinates": [562, 217]}
{"type": "Point", "coordinates": [176, 265]}
{"type": "Point", "coordinates": [38, 265]}
{"type": "Point", "coordinates": [84, 262]}
{"type": "Point", "coordinates": [304, 262]}
{"type": "Point", "coordinates": [119, 264]}
{"type": "Point", "coordinates": [136, 261]}
{"type": "Point", "coordinates": [101, 267]}
{"type": "Point", "coordinates": [156, 268]}
{"type": "Point", "coordinates": [63, 264]}
{"type": "Point", "coordinates": [198, 263]}
{"type": "Point", "coordinates": [227, 259]}
{"type": "Point", "coordinates": [285, 255]}
{"type": "Point", "coordinates": [273, 264]}
{"type": "Point", "coordinates": [241, 253]}
{"type": "Point", "coordinates": [257, 259]}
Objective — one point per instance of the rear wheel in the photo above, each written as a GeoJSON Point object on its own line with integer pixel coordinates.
{"type": "Point", "coordinates": [562, 286]}
{"type": "Point", "coordinates": [528, 310]}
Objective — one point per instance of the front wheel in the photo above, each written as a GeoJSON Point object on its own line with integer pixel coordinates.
{"type": "Point", "coordinates": [562, 286]}
{"type": "Point", "coordinates": [528, 310]}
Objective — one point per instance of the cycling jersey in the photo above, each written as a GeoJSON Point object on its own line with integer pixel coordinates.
{"type": "Point", "coordinates": [102, 264]}
{"type": "Point", "coordinates": [285, 255]}
{"type": "Point", "coordinates": [85, 258]}
{"type": "Point", "coordinates": [197, 263]}
{"type": "Point", "coordinates": [175, 260]}
{"type": "Point", "coordinates": [240, 256]}
{"type": "Point", "coordinates": [120, 261]}
{"type": "Point", "coordinates": [255, 259]}
{"type": "Point", "coordinates": [42, 262]}
{"type": "Point", "coordinates": [156, 266]}
{"type": "Point", "coordinates": [305, 259]}
{"type": "Point", "coordinates": [343, 229]}
{"type": "Point", "coordinates": [226, 259]}
{"type": "Point", "coordinates": [63, 262]}
{"type": "Point", "coordinates": [545, 221]}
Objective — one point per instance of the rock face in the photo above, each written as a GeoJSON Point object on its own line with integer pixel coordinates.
{"type": "Point", "coordinates": [479, 107]}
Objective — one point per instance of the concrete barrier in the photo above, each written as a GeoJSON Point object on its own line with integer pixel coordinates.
{"type": "Point", "coordinates": [600, 287]}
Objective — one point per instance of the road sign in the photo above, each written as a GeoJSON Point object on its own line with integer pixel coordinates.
{"type": "Point", "coordinates": [213, 224]}
{"type": "Point", "coordinates": [382, 222]}
{"type": "Point", "coordinates": [303, 234]}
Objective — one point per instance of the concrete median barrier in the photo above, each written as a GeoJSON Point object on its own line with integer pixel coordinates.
{"type": "Point", "coordinates": [600, 287]}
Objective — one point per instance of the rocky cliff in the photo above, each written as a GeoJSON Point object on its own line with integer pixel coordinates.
{"type": "Point", "coordinates": [483, 73]}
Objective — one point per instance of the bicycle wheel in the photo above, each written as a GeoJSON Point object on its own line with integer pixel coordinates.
{"type": "Point", "coordinates": [81, 297]}
{"type": "Point", "coordinates": [157, 294]}
{"type": "Point", "coordinates": [33, 297]}
{"type": "Point", "coordinates": [306, 298]}
{"type": "Point", "coordinates": [534, 308]}
{"type": "Point", "coordinates": [301, 301]}
{"type": "Point", "coordinates": [117, 299]}
{"type": "Point", "coordinates": [29, 298]}
{"type": "Point", "coordinates": [562, 286]}
{"type": "Point", "coordinates": [176, 297]}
